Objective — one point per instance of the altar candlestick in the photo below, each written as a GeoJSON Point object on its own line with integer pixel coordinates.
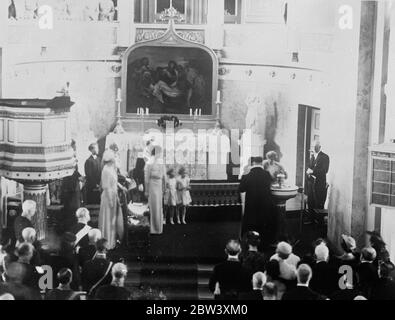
{"type": "Point", "coordinates": [190, 112]}
{"type": "Point", "coordinates": [147, 111]}
{"type": "Point", "coordinates": [200, 112]}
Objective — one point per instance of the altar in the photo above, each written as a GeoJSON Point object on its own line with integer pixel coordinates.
{"type": "Point", "coordinates": [201, 153]}
{"type": "Point", "coordinates": [169, 97]}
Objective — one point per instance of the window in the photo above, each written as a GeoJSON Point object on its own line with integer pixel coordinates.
{"type": "Point", "coordinates": [162, 5]}
{"type": "Point", "coordinates": [193, 11]}
{"type": "Point", "coordinates": [179, 5]}
{"type": "Point", "coordinates": [232, 11]}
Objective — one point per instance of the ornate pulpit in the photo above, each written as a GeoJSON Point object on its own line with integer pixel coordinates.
{"type": "Point", "coordinates": [35, 147]}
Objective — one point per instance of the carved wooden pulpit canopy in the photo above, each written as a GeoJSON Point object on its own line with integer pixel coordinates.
{"type": "Point", "coordinates": [35, 147]}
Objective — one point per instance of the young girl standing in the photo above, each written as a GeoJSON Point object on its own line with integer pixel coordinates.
{"type": "Point", "coordinates": [170, 197]}
{"type": "Point", "coordinates": [184, 196]}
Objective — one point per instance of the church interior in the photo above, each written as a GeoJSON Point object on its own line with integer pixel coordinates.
{"type": "Point", "coordinates": [187, 75]}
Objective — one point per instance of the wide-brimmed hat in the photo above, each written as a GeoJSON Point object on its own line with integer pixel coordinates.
{"type": "Point", "coordinates": [375, 236]}
{"type": "Point", "coordinates": [284, 248]}
{"type": "Point", "coordinates": [349, 242]}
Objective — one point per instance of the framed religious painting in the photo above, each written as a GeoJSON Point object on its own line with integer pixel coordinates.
{"type": "Point", "coordinates": [169, 75]}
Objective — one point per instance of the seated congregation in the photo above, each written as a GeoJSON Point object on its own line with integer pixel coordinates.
{"type": "Point", "coordinates": [81, 267]}
{"type": "Point", "coordinates": [319, 275]}
{"type": "Point", "coordinates": [76, 266]}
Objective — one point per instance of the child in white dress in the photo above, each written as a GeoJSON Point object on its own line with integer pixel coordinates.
{"type": "Point", "coordinates": [170, 196]}
{"type": "Point", "coordinates": [184, 196]}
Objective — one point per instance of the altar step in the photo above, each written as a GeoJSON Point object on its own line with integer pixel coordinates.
{"type": "Point", "coordinates": [176, 281]}
{"type": "Point", "coordinates": [204, 274]}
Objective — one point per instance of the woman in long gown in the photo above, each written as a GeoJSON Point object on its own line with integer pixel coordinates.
{"type": "Point", "coordinates": [154, 185]}
{"type": "Point", "coordinates": [110, 217]}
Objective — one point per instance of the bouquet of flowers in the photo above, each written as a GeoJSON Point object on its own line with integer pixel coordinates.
{"type": "Point", "coordinates": [162, 121]}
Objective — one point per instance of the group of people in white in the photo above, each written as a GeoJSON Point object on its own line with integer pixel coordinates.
{"type": "Point", "coordinates": [167, 196]}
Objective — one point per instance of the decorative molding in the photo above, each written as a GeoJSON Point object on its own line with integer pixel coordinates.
{"type": "Point", "coordinates": [116, 68]}
{"type": "Point", "coordinates": [222, 71]}
{"type": "Point", "coordinates": [249, 72]}
{"type": "Point", "coordinates": [36, 176]}
{"type": "Point", "coordinates": [270, 73]}
{"type": "Point", "coordinates": [192, 35]}
{"type": "Point", "coordinates": [149, 34]}
{"type": "Point", "coordinates": [28, 115]}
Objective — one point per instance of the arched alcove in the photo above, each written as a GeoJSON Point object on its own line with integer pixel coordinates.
{"type": "Point", "coordinates": [169, 75]}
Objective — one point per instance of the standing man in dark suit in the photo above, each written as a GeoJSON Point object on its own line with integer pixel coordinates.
{"type": "Point", "coordinates": [325, 275]}
{"type": "Point", "coordinates": [97, 272]}
{"type": "Point", "coordinates": [368, 275]}
{"type": "Point", "coordinates": [24, 221]}
{"type": "Point", "coordinates": [302, 290]}
{"type": "Point", "coordinates": [316, 178]}
{"type": "Point", "coordinates": [81, 228]}
{"type": "Point", "coordinates": [229, 278]}
{"type": "Point", "coordinates": [260, 210]}
{"type": "Point", "coordinates": [93, 175]}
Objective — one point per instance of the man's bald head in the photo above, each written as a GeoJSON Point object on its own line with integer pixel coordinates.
{"type": "Point", "coordinates": [29, 209]}
{"type": "Point", "coordinates": [7, 296]}
{"type": "Point", "coordinates": [29, 235]}
{"type": "Point", "coordinates": [317, 146]}
{"type": "Point", "coordinates": [304, 274]}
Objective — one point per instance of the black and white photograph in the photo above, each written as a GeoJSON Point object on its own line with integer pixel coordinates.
{"type": "Point", "coordinates": [213, 152]}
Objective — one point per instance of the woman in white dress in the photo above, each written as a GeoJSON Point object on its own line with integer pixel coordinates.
{"type": "Point", "coordinates": [154, 185]}
{"type": "Point", "coordinates": [110, 216]}
{"type": "Point", "coordinates": [184, 196]}
{"type": "Point", "coordinates": [170, 197]}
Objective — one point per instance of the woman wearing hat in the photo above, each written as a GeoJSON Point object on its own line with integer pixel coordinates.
{"type": "Point", "coordinates": [273, 167]}
{"type": "Point", "coordinates": [154, 178]}
{"type": "Point", "coordinates": [376, 241]}
{"type": "Point", "coordinates": [110, 216]}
